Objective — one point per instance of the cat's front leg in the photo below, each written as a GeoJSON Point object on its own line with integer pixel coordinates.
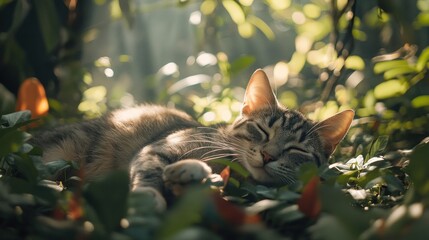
{"type": "Point", "coordinates": [146, 170]}
{"type": "Point", "coordinates": [178, 175]}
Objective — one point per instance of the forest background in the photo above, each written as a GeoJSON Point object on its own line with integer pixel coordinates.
{"type": "Point", "coordinates": [321, 56]}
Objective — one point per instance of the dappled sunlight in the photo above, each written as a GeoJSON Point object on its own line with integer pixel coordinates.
{"type": "Point", "coordinates": [187, 82]}
{"type": "Point", "coordinates": [281, 74]}
{"type": "Point", "coordinates": [93, 101]}
{"type": "Point", "coordinates": [206, 59]}
{"type": "Point", "coordinates": [169, 69]}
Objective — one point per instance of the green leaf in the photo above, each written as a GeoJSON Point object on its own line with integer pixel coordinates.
{"type": "Point", "coordinates": [4, 3]}
{"type": "Point", "coordinates": [377, 147]}
{"type": "Point", "coordinates": [387, 65]}
{"type": "Point", "coordinates": [108, 196]}
{"type": "Point", "coordinates": [185, 213]}
{"type": "Point", "coordinates": [285, 214]}
{"type": "Point", "coordinates": [330, 227]}
{"type": "Point", "coordinates": [27, 169]}
{"type": "Point", "coordinates": [10, 141]}
{"type": "Point", "coordinates": [422, 19]}
{"type": "Point", "coordinates": [54, 167]}
{"type": "Point", "coordinates": [12, 119]}
{"type": "Point", "coordinates": [235, 11]}
{"type": "Point", "coordinates": [49, 23]}
{"type": "Point", "coordinates": [266, 192]}
{"type": "Point", "coordinates": [418, 169]}
{"type": "Point", "coordinates": [261, 25]}
{"type": "Point", "coordinates": [420, 101]}
{"type": "Point", "coordinates": [241, 64]}
{"type": "Point", "coordinates": [126, 10]}
{"type": "Point", "coordinates": [354, 220]}
{"type": "Point", "coordinates": [7, 100]}
{"type": "Point", "coordinates": [422, 60]}
{"type": "Point", "coordinates": [355, 62]}
{"type": "Point", "coordinates": [21, 11]}
{"type": "Point", "coordinates": [307, 171]}
{"type": "Point", "coordinates": [398, 72]}
{"type": "Point", "coordinates": [391, 88]}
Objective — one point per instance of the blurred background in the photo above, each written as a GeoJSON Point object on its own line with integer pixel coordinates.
{"type": "Point", "coordinates": [321, 56]}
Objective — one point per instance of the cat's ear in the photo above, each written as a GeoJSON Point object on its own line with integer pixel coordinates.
{"type": "Point", "coordinates": [258, 93]}
{"type": "Point", "coordinates": [333, 129]}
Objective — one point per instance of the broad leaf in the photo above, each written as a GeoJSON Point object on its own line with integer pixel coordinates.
{"type": "Point", "coordinates": [108, 197]}
{"type": "Point", "coordinates": [377, 147]}
{"type": "Point", "coordinates": [391, 88]}
{"type": "Point", "coordinates": [387, 65]}
{"type": "Point", "coordinates": [422, 60]}
{"type": "Point", "coordinates": [12, 119]}
{"type": "Point", "coordinates": [418, 169]}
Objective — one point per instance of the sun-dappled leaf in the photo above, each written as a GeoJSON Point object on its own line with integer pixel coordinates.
{"type": "Point", "coordinates": [279, 5]}
{"type": "Point", "coordinates": [246, 29]}
{"type": "Point", "coordinates": [235, 11]}
{"type": "Point", "coordinates": [261, 25]}
{"type": "Point", "coordinates": [208, 6]}
{"type": "Point", "coordinates": [381, 67]}
{"type": "Point", "coordinates": [420, 101]}
{"type": "Point", "coordinates": [391, 88]}
{"type": "Point", "coordinates": [398, 72]}
{"type": "Point", "coordinates": [422, 60]}
{"type": "Point", "coordinates": [355, 62]}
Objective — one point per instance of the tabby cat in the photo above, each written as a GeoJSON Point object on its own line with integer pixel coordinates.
{"type": "Point", "coordinates": [161, 147]}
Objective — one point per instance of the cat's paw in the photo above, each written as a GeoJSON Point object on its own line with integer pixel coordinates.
{"type": "Point", "coordinates": [179, 174]}
{"type": "Point", "coordinates": [159, 202]}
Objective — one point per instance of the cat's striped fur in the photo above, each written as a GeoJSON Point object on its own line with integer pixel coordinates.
{"type": "Point", "coordinates": [269, 140]}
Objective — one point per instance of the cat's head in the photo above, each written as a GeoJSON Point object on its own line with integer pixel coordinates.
{"type": "Point", "coordinates": [272, 141]}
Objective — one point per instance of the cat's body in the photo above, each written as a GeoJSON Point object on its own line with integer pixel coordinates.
{"type": "Point", "coordinates": [150, 141]}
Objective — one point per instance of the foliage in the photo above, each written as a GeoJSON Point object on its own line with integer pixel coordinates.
{"type": "Point", "coordinates": [365, 197]}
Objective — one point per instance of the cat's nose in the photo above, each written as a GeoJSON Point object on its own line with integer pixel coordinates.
{"type": "Point", "coordinates": [266, 157]}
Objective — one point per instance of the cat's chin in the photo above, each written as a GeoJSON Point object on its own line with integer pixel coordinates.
{"type": "Point", "coordinates": [268, 175]}
{"type": "Point", "coordinates": [259, 174]}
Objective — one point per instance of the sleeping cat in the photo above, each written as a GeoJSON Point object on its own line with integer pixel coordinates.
{"type": "Point", "coordinates": [161, 147]}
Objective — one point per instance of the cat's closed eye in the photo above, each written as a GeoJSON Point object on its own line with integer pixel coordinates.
{"type": "Point", "coordinates": [256, 132]}
{"type": "Point", "coordinates": [295, 149]}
